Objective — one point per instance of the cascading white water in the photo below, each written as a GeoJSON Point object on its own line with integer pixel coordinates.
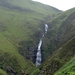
{"type": "Point", "coordinates": [46, 28]}
{"type": "Point", "coordinates": [38, 55]}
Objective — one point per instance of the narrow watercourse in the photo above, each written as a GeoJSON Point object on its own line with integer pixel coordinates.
{"type": "Point", "coordinates": [38, 54]}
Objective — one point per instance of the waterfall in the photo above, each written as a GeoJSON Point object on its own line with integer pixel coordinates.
{"type": "Point", "coordinates": [38, 55]}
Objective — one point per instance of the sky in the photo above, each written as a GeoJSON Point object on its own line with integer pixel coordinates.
{"type": "Point", "coordinates": [60, 4]}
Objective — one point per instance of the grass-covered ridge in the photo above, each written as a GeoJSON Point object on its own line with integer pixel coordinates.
{"type": "Point", "coordinates": [3, 72]}
{"type": "Point", "coordinates": [59, 58]}
{"type": "Point", "coordinates": [29, 6]}
{"type": "Point", "coordinates": [67, 69]}
{"type": "Point", "coordinates": [62, 29]}
{"type": "Point", "coordinates": [10, 57]}
{"type": "Point", "coordinates": [60, 37]}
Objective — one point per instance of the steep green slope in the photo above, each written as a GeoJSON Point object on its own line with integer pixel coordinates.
{"type": "Point", "coordinates": [21, 26]}
{"type": "Point", "coordinates": [61, 37]}
{"type": "Point", "coordinates": [22, 21]}
{"type": "Point", "coordinates": [62, 29]}
{"type": "Point", "coordinates": [3, 72]}
{"type": "Point", "coordinates": [29, 6]}
{"type": "Point", "coordinates": [58, 58]}
{"type": "Point", "coordinates": [67, 69]}
{"type": "Point", "coordinates": [10, 59]}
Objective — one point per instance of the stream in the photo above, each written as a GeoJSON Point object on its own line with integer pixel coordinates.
{"type": "Point", "coordinates": [38, 54]}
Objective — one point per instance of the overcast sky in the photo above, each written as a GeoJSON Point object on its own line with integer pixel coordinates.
{"type": "Point", "coordinates": [60, 4]}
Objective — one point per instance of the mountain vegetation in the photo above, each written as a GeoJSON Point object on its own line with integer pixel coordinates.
{"type": "Point", "coordinates": [21, 26]}
{"type": "Point", "coordinates": [61, 44]}
{"type": "Point", "coordinates": [3, 72]}
{"type": "Point", "coordinates": [61, 30]}
{"type": "Point", "coordinates": [67, 69]}
{"type": "Point", "coordinates": [60, 57]}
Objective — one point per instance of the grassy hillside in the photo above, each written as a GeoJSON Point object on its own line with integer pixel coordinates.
{"type": "Point", "coordinates": [21, 26]}
{"type": "Point", "coordinates": [67, 69]}
{"type": "Point", "coordinates": [59, 58]}
{"type": "Point", "coordinates": [10, 59]}
{"type": "Point", "coordinates": [3, 72]}
{"type": "Point", "coordinates": [29, 6]}
{"type": "Point", "coordinates": [62, 29]}
{"type": "Point", "coordinates": [23, 22]}
{"type": "Point", "coordinates": [60, 37]}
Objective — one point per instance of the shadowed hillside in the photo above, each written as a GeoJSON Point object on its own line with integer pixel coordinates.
{"type": "Point", "coordinates": [62, 29]}
{"type": "Point", "coordinates": [60, 45]}
{"type": "Point", "coordinates": [67, 69]}
{"type": "Point", "coordinates": [21, 26]}
{"type": "Point", "coordinates": [58, 59]}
